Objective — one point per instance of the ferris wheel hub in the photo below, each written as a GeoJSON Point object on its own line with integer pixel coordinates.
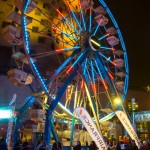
{"type": "Point", "coordinates": [94, 43]}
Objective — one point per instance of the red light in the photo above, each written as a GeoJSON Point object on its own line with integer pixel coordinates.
{"type": "Point", "coordinates": [105, 86]}
{"type": "Point", "coordinates": [90, 10]}
{"type": "Point", "coordinates": [82, 84]}
{"type": "Point", "coordinates": [111, 75]}
{"type": "Point", "coordinates": [93, 87]}
{"type": "Point", "coordinates": [68, 71]}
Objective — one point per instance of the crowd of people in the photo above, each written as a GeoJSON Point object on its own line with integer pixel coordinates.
{"type": "Point", "coordinates": [111, 145]}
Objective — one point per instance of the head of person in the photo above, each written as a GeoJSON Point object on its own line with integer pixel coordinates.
{"type": "Point", "coordinates": [59, 144]}
{"type": "Point", "coordinates": [78, 143]}
{"type": "Point", "coordinates": [54, 144]}
{"type": "Point", "coordinates": [43, 143]}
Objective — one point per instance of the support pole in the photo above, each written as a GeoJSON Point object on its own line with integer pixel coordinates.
{"type": "Point", "coordinates": [59, 95]}
{"type": "Point", "coordinates": [16, 133]}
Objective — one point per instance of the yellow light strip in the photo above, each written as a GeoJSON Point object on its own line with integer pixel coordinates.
{"type": "Point", "coordinates": [97, 44]}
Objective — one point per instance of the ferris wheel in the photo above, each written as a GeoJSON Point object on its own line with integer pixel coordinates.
{"type": "Point", "coordinates": [77, 46]}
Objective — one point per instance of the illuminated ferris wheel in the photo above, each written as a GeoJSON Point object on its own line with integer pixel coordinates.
{"type": "Point", "coordinates": [77, 46]}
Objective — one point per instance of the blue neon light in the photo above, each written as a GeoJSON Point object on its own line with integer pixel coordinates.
{"type": "Point", "coordinates": [102, 37]}
{"type": "Point", "coordinates": [93, 76]}
{"type": "Point", "coordinates": [99, 71]}
{"type": "Point", "coordinates": [108, 59]}
{"type": "Point", "coordinates": [83, 20]}
{"type": "Point", "coordinates": [70, 24]}
{"type": "Point", "coordinates": [96, 29]}
{"type": "Point", "coordinates": [28, 50]}
{"type": "Point", "coordinates": [107, 48]}
{"type": "Point", "coordinates": [77, 59]}
{"type": "Point", "coordinates": [76, 20]}
{"type": "Point", "coordinates": [65, 63]}
{"type": "Point", "coordinates": [122, 44]}
{"type": "Point", "coordinates": [90, 22]}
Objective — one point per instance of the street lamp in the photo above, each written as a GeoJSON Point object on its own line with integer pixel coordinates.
{"type": "Point", "coordinates": [132, 107]}
{"type": "Point", "coordinates": [116, 102]}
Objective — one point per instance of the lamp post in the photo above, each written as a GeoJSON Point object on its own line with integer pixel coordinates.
{"type": "Point", "coordinates": [132, 107]}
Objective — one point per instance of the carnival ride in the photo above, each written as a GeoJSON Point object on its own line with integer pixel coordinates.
{"type": "Point", "coordinates": [75, 52]}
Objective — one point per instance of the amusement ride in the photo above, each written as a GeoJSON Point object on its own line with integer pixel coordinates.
{"type": "Point", "coordinates": [75, 51]}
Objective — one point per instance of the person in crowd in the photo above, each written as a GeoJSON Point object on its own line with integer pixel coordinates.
{"type": "Point", "coordinates": [60, 146]}
{"type": "Point", "coordinates": [55, 146]}
{"type": "Point", "coordinates": [43, 146]}
{"type": "Point", "coordinates": [25, 146]}
{"type": "Point", "coordinates": [17, 146]}
{"type": "Point", "coordinates": [148, 144]}
{"type": "Point", "coordinates": [87, 147]}
{"type": "Point", "coordinates": [133, 145]}
{"type": "Point", "coordinates": [3, 145]}
{"type": "Point", "coordinates": [118, 147]}
{"type": "Point", "coordinates": [78, 146]}
{"type": "Point", "coordinates": [38, 145]}
{"type": "Point", "coordinates": [93, 146]}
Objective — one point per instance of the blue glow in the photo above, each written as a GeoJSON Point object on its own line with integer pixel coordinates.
{"type": "Point", "coordinates": [83, 19]}
{"type": "Point", "coordinates": [27, 4]}
{"type": "Point", "coordinates": [99, 71]}
{"type": "Point", "coordinates": [108, 59]}
{"type": "Point", "coordinates": [86, 60]}
{"type": "Point", "coordinates": [109, 116]}
{"type": "Point", "coordinates": [77, 59]}
{"type": "Point", "coordinates": [96, 29]}
{"type": "Point", "coordinates": [108, 48]}
{"type": "Point", "coordinates": [68, 35]}
{"type": "Point", "coordinates": [5, 113]}
{"type": "Point", "coordinates": [64, 63]}
{"type": "Point", "coordinates": [90, 22]}
{"type": "Point", "coordinates": [76, 20]}
{"type": "Point", "coordinates": [102, 37]}
{"type": "Point", "coordinates": [93, 77]}
{"type": "Point", "coordinates": [28, 52]}
{"type": "Point", "coordinates": [76, 47]}
{"type": "Point", "coordinates": [71, 25]}
{"type": "Point", "coordinates": [122, 44]}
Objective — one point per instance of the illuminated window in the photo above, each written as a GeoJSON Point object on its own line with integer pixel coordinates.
{"type": "Point", "coordinates": [9, 7]}
{"type": "Point", "coordinates": [53, 2]}
{"type": "Point", "coordinates": [60, 9]}
{"type": "Point", "coordinates": [76, 7]}
{"type": "Point", "coordinates": [37, 12]}
{"type": "Point", "coordinates": [44, 22]}
{"type": "Point", "coordinates": [35, 29]}
{"type": "Point", "coordinates": [41, 40]}
{"type": "Point", "coordinates": [46, 6]}
{"type": "Point", "coordinates": [52, 46]}
{"type": "Point", "coordinates": [57, 40]}
{"type": "Point", "coordinates": [5, 23]}
{"type": "Point", "coordinates": [1, 14]}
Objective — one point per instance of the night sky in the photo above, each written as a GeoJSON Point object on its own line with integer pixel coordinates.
{"type": "Point", "coordinates": [133, 18]}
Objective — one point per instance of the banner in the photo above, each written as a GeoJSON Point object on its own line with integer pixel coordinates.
{"type": "Point", "coordinates": [91, 127]}
{"type": "Point", "coordinates": [129, 128]}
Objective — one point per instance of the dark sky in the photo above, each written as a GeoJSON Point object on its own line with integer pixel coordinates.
{"type": "Point", "coordinates": [133, 17]}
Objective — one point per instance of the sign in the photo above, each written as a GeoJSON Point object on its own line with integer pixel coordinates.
{"type": "Point", "coordinates": [129, 128]}
{"type": "Point", "coordinates": [91, 127]}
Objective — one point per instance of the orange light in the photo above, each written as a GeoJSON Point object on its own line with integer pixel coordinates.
{"type": "Point", "coordinates": [112, 49]}
{"type": "Point", "coordinates": [90, 10]}
{"type": "Point", "coordinates": [59, 50]}
{"type": "Point", "coordinates": [82, 84]}
{"type": "Point", "coordinates": [93, 87]}
{"type": "Point", "coordinates": [111, 75]}
{"type": "Point", "coordinates": [68, 71]}
{"type": "Point", "coordinates": [105, 86]}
